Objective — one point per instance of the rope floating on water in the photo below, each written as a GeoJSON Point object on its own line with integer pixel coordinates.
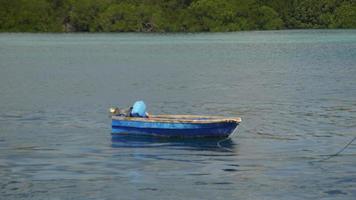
{"type": "Point", "coordinates": [337, 153]}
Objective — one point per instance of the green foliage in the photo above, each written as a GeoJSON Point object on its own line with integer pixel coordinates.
{"type": "Point", "coordinates": [209, 15]}
{"type": "Point", "coordinates": [229, 15]}
{"type": "Point", "coordinates": [83, 13]}
{"type": "Point", "coordinates": [266, 18]}
{"type": "Point", "coordinates": [269, 19]}
{"type": "Point", "coordinates": [173, 15]}
{"type": "Point", "coordinates": [126, 17]}
{"type": "Point", "coordinates": [345, 16]}
{"type": "Point", "coordinates": [27, 15]}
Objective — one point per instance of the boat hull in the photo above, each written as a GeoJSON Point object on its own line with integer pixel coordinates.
{"type": "Point", "coordinates": [173, 128]}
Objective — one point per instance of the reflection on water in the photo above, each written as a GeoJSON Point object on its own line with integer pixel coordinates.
{"type": "Point", "coordinates": [198, 144]}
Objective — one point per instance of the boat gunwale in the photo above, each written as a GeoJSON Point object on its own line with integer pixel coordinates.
{"type": "Point", "coordinates": [194, 119]}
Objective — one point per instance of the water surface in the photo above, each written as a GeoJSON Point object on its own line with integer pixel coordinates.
{"type": "Point", "coordinates": [295, 91]}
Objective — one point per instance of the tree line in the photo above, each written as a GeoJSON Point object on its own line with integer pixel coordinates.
{"type": "Point", "coordinates": [173, 15]}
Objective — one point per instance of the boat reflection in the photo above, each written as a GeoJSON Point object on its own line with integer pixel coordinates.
{"type": "Point", "coordinates": [199, 144]}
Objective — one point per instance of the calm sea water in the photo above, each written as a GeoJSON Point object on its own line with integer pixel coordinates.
{"type": "Point", "coordinates": [295, 91]}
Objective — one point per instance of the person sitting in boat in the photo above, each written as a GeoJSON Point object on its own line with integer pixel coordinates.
{"type": "Point", "coordinates": [137, 110]}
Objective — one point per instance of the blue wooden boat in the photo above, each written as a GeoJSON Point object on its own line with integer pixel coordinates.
{"type": "Point", "coordinates": [175, 125]}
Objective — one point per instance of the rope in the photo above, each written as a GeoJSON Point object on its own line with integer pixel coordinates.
{"type": "Point", "coordinates": [218, 144]}
{"type": "Point", "coordinates": [337, 153]}
{"type": "Point", "coordinates": [221, 147]}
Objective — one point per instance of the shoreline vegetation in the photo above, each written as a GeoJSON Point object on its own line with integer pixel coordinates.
{"type": "Point", "coordinates": [174, 15]}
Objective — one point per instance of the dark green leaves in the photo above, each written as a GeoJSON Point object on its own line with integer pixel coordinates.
{"type": "Point", "coordinates": [173, 15]}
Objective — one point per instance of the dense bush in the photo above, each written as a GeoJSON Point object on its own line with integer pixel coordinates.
{"type": "Point", "coordinates": [173, 15]}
